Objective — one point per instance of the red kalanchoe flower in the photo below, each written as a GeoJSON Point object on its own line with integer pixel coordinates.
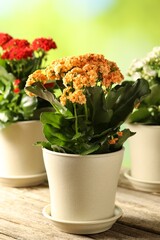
{"type": "Point", "coordinates": [6, 55]}
{"type": "Point", "coordinates": [16, 90]}
{"type": "Point", "coordinates": [20, 59]}
{"type": "Point", "coordinates": [43, 43]}
{"type": "Point", "coordinates": [16, 82]}
{"type": "Point", "coordinates": [18, 53]}
{"type": "Point", "coordinates": [19, 43]}
{"type": "Point", "coordinates": [4, 38]}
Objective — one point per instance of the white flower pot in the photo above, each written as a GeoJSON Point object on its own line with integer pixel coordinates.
{"type": "Point", "coordinates": [20, 160]}
{"type": "Point", "coordinates": [82, 188]}
{"type": "Point", "coordinates": [145, 152]}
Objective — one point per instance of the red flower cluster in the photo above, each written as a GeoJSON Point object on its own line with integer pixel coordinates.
{"type": "Point", "coordinates": [16, 85]}
{"type": "Point", "coordinates": [17, 49]}
{"type": "Point", "coordinates": [43, 43]}
{"type": "Point", "coordinates": [4, 37]}
{"type": "Point", "coordinates": [17, 53]}
{"type": "Point", "coordinates": [16, 43]}
{"type": "Point", "coordinates": [18, 59]}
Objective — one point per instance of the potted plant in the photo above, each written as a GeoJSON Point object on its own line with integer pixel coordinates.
{"type": "Point", "coordinates": [145, 120]}
{"type": "Point", "coordinates": [83, 150]}
{"type": "Point", "coordinates": [20, 162]}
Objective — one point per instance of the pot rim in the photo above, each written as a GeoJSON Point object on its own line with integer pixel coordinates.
{"type": "Point", "coordinates": [23, 122]}
{"type": "Point", "coordinates": [143, 125]}
{"type": "Point", "coordinates": [80, 156]}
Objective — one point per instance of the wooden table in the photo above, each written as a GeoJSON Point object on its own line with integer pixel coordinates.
{"type": "Point", "coordinates": [21, 215]}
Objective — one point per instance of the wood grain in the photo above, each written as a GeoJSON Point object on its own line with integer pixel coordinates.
{"type": "Point", "coordinates": [21, 216]}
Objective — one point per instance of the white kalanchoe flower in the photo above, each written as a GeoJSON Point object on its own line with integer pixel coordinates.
{"type": "Point", "coordinates": [149, 73]}
{"type": "Point", "coordinates": [138, 63]}
{"type": "Point", "coordinates": [136, 76]}
{"type": "Point", "coordinates": [147, 68]}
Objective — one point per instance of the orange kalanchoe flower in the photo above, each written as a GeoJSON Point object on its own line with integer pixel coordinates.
{"type": "Point", "coordinates": [120, 134]}
{"type": "Point", "coordinates": [78, 73]}
{"type": "Point", "coordinates": [77, 97]}
{"type": "Point", "coordinates": [37, 76]}
{"type": "Point", "coordinates": [113, 141]}
{"type": "Point", "coordinates": [89, 104]}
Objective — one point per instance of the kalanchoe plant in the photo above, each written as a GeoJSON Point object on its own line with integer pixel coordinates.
{"type": "Point", "coordinates": [18, 59]}
{"type": "Point", "coordinates": [89, 104]}
{"type": "Point", "coordinates": [148, 111]}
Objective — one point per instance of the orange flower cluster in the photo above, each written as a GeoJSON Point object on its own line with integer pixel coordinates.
{"type": "Point", "coordinates": [77, 73]}
{"type": "Point", "coordinates": [37, 76]}
{"type": "Point", "coordinates": [114, 140]}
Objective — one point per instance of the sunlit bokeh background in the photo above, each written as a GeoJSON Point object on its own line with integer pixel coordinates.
{"type": "Point", "coordinates": [122, 30]}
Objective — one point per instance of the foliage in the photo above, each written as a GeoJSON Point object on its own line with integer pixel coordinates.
{"type": "Point", "coordinates": [18, 59]}
{"type": "Point", "coordinates": [89, 106]}
{"type": "Point", "coordinates": [148, 111]}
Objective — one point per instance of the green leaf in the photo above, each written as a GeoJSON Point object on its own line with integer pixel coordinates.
{"type": "Point", "coordinates": [126, 134]}
{"type": "Point", "coordinates": [97, 103]}
{"type": "Point", "coordinates": [54, 136]}
{"type": "Point", "coordinates": [28, 105]}
{"type": "Point", "coordinates": [38, 89]}
{"type": "Point", "coordinates": [89, 148]}
{"type": "Point", "coordinates": [97, 122]}
{"type": "Point", "coordinates": [43, 144]}
{"type": "Point", "coordinates": [5, 116]}
{"type": "Point", "coordinates": [76, 136]}
{"type": "Point", "coordinates": [2, 62]}
{"type": "Point", "coordinates": [56, 148]}
{"type": "Point", "coordinates": [102, 133]}
{"type": "Point", "coordinates": [139, 115]}
{"type": "Point", "coordinates": [5, 75]}
{"type": "Point", "coordinates": [124, 98]}
{"type": "Point", "coordinates": [55, 119]}
{"type": "Point", "coordinates": [154, 97]}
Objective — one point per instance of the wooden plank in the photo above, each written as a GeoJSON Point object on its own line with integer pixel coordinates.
{"type": "Point", "coordinates": [4, 237]}
{"type": "Point", "coordinates": [21, 216]}
{"type": "Point", "coordinates": [140, 210]}
{"type": "Point", "coordinates": [122, 232]}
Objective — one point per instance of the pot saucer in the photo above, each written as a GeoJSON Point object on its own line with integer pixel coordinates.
{"type": "Point", "coordinates": [83, 227]}
{"type": "Point", "coordinates": [142, 185]}
{"type": "Point", "coordinates": [23, 181]}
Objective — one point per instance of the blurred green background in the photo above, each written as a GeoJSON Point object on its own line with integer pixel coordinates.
{"type": "Point", "coordinates": [120, 29]}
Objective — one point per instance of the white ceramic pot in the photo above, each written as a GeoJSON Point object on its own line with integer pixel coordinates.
{"type": "Point", "coordinates": [82, 188]}
{"type": "Point", "coordinates": [19, 158]}
{"type": "Point", "coordinates": [145, 152]}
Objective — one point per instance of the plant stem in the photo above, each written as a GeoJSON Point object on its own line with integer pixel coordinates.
{"type": "Point", "coordinates": [86, 111]}
{"type": "Point", "coordinates": [76, 119]}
